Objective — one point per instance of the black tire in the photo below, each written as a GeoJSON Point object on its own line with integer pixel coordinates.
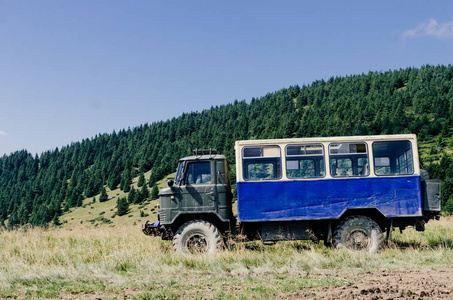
{"type": "Point", "coordinates": [358, 233]}
{"type": "Point", "coordinates": [327, 243]}
{"type": "Point", "coordinates": [197, 236]}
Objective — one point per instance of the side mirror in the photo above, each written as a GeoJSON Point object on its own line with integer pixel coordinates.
{"type": "Point", "coordinates": [170, 183]}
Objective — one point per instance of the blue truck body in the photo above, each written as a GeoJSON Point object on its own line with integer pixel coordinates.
{"type": "Point", "coordinates": [328, 198]}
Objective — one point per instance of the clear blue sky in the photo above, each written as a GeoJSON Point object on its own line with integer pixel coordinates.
{"type": "Point", "coordinates": [72, 69]}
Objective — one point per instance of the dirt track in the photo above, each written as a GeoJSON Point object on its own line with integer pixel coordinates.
{"type": "Point", "coordinates": [419, 284]}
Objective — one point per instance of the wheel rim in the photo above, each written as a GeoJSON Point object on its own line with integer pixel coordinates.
{"type": "Point", "coordinates": [359, 239]}
{"type": "Point", "coordinates": [197, 243]}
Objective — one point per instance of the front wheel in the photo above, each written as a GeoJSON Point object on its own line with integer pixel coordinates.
{"type": "Point", "coordinates": [358, 233]}
{"type": "Point", "coordinates": [197, 236]}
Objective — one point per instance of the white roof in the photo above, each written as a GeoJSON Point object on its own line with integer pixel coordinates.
{"type": "Point", "coordinates": [327, 139]}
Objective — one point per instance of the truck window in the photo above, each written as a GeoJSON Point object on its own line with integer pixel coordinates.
{"type": "Point", "coordinates": [178, 172]}
{"type": "Point", "coordinates": [393, 158]}
{"type": "Point", "coordinates": [198, 173]}
{"type": "Point", "coordinates": [261, 162]}
{"type": "Point", "coordinates": [382, 165]}
{"type": "Point", "coordinates": [305, 161]}
{"type": "Point", "coordinates": [348, 159]}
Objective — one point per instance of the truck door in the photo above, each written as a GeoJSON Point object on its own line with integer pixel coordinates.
{"type": "Point", "coordinates": [223, 190]}
{"type": "Point", "coordinates": [198, 192]}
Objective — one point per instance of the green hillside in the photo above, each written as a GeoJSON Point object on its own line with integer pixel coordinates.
{"type": "Point", "coordinates": [42, 189]}
{"type": "Point", "coordinates": [95, 213]}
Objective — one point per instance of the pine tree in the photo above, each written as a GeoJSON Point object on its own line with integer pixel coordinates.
{"type": "Point", "coordinates": [122, 183]}
{"type": "Point", "coordinates": [13, 220]}
{"type": "Point", "coordinates": [155, 192]}
{"type": "Point", "coordinates": [114, 179]}
{"type": "Point", "coordinates": [103, 197]}
{"type": "Point", "coordinates": [127, 186]}
{"type": "Point", "coordinates": [126, 181]}
{"type": "Point", "coordinates": [141, 180]}
{"type": "Point", "coordinates": [90, 189]}
{"type": "Point", "coordinates": [132, 197]}
{"type": "Point", "coordinates": [144, 193]}
{"type": "Point", "coordinates": [56, 220]}
{"type": "Point", "coordinates": [122, 206]}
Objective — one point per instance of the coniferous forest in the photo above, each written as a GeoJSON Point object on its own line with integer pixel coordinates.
{"type": "Point", "coordinates": [38, 189]}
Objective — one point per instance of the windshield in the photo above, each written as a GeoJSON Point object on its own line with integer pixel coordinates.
{"type": "Point", "coordinates": [178, 173]}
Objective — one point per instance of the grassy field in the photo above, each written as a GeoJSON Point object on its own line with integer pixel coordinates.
{"type": "Point", "coordinates": [117, 261]}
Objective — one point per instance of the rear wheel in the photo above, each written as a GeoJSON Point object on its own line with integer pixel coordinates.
{"type": "Point", "coordinates": [358, 233]}
{"type": "Point", "coordinates": [197, 236]}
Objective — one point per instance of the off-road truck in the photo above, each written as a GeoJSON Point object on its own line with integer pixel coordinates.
{"type": "Point", "coordinates": [345, 191]}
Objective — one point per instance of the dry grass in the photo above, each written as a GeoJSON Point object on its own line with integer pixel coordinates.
{"type": "Point", "coordinates": [108, 262]}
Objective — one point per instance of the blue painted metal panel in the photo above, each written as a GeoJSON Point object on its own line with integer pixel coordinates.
{"type": "Point", "coordinates": [327, 198]}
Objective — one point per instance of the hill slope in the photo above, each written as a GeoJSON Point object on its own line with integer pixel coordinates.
{"type": "Point", "coordinates": [93, 213]}
{"type": "Point", "coordinates": [37, 190]}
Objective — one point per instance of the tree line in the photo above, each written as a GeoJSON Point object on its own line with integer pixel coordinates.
{"type": "Point", "coordinates": [38, 189]}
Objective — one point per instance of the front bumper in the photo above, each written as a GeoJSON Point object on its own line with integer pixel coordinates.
{"type": "Point", "coordinates": [155, 229]}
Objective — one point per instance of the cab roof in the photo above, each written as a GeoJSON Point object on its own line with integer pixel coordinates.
{"type": "Point", "coordinates": [203, 157]}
